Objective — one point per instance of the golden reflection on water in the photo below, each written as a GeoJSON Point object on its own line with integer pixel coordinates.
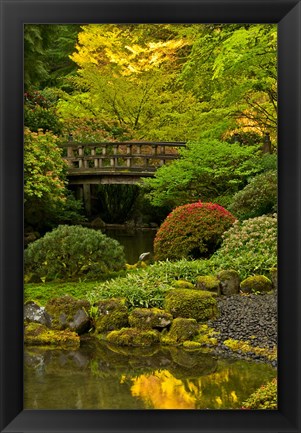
{"type": "Point", "coordinates": [161, 390]}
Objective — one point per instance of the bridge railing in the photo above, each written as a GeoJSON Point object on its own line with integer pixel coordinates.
{"type": "Point", "coordinates": [118, 156]}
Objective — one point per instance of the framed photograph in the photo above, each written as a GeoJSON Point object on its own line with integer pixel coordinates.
{"type": "Point", "coordinates": [150, 216]}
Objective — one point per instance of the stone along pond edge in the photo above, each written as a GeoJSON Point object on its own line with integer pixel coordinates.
{"type": "Point", "coordinates": [219, 314]}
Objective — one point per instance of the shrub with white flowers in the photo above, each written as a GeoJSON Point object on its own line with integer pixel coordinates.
{"type": "Point", "coordinates": [250, 246]}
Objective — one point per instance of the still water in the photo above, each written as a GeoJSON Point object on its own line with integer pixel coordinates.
{"type": "Point", "coordinates": [100, 376]}
{"type": "Point", "coordinates": [135, 242]}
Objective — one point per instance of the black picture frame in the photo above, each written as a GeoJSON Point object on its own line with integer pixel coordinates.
{"type": "Point", "coordinates": [14, 13]}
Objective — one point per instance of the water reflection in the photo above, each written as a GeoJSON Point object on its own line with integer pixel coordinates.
{"type": "Point", "coordinates": [99, 376]}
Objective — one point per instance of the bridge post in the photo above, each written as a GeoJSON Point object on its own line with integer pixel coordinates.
{"type": "Point", "coordinates": [162, 161]}
{"type": "Point", "coordinates": [87, 197]}
{"type": "Point", "coordinates": [80, 154]}
{"type": "Point", "coordinates": [70, 154]}
{"type": "Point", "coordinates": [93, 153]}
{"type": "Point", "coordinates": [129, 152]}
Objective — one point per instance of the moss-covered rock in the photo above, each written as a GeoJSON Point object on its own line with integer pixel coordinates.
{"type": "Point", "coordinates": [207, 336]}
{"type": "Point", "coordinates": [191, 304]}
{"type": "Point", "coordinates": [133, 337]}
{"type": "Point", "coordinates": [245, 347]}
{"type": "Point", "coordinates": [67, 312]}
{"type": "Point", "coordinates": [111, 314]}
{"type": "Point", "coordinates": [183, 284]}
{"type": "Point", "coordinates": [36, 334]}
{"type": "Point", "coordinates": [183, 329]}
{"type": "Point", "coordinates": [256, 284]}
{"type": "Point", "coordinates": [192, 345]}
{"type": "Point", "coordinates": [229, 282]}
{"type": "Point", "coordinates": [148, 318]}
{"type": "Point", "coordinates": [208, 282]}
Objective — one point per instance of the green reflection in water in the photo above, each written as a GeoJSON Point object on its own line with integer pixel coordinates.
{"type": "Point", "coordinates": [99, 376]}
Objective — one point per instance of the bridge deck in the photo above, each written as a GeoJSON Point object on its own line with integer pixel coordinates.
{"type": "Point", "coordinates": [134, 158]}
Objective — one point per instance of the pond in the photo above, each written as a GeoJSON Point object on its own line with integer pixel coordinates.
{"type": "Point", "coordinates": [135, 242]}
{"type": "Point", "coordinates": [100, 376]}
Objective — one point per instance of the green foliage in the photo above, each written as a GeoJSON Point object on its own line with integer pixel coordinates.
{"type": "Point", "coordinates": [193, 230]}
{"type": "Point", "coordinates": [42, 292]}
{"type": "Point", "coordinates": [208, 170]}
{"type": "Point", "coordinates": [259, 197]}
{"type": "Point", "coordinates": [72, 252]}
{"type": "Point", "coordinates": [192, 304]}
{"type": "Point", "coordinates": [250, 247]}
{"type": "Point", "coordinates": [264, 397]}
{"type": "Point", "coordinates": [44, 168]}
{"type": "Point", "coordinates": [232, 69]}
{"type": "Point", "coordinates": [39, 113]}
{"type": "Point", "coordinates": [84, 127]}
{"type": "Point", "coordinates": [47, 200]}
{"type": "Point", "coordinates": [140, 288]}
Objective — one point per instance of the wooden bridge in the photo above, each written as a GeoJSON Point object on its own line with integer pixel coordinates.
{"type": "Point", "coordinates": [115, 163]}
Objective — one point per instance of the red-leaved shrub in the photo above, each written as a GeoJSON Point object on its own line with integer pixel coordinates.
{"type": "Point", "coordinates": [192, 231]}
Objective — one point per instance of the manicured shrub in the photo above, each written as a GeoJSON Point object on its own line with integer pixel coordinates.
{"type": "Point", "coordinates": [192, 304]}
{"type": "Point", "coordinates": [72, 252]}
{"type": "Point", "coordinates": [249, 247]}
{"type": "Point", "coordinates": [193, 230]}
{"type": "Point", "coordinates": [264, 397]}
{"type": "Point", "coordinates": [259, 197]}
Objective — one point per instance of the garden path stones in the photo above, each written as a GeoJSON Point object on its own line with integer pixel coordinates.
{"type": "Point", "coordinates": [248, 317]}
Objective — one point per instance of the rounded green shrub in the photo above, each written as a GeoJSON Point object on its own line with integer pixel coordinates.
{"type": "Point", "coordinates": [264, 397]}
{"type": "Point", "coordinates": [249, 247]}
{"type": "Point", "coordinates": [193, 230]}
{"type": "Point", "coordinates": [259, 197]}
{"type": "Point", "coordinates": [73, 252]}
{"type": "Point", "coordinates": [191, 304]}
